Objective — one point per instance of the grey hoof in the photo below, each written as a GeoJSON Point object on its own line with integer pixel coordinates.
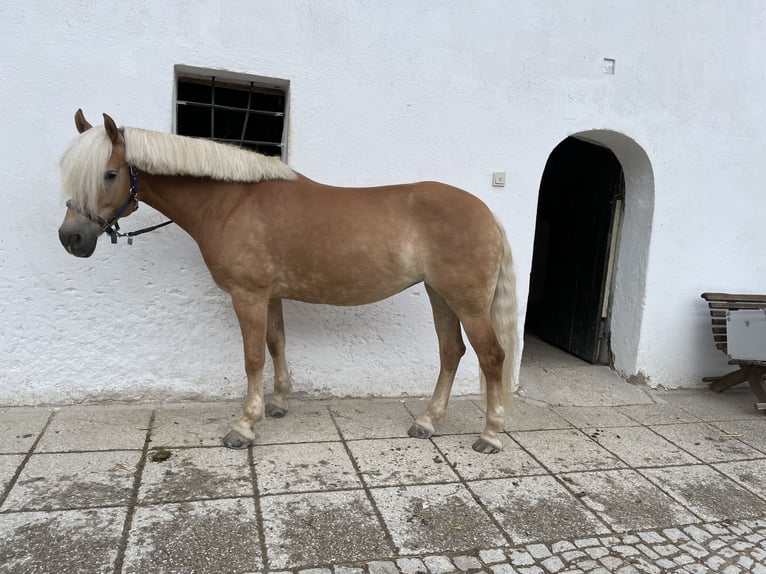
{"type": "Point", "coordinates": [485, 447]}
{"type": "Point", "coordinates": [417, 431]}
{"type": "Point", "coordinates": [236, 441]}
{"type": "Point", "coordinates": [274, 411]}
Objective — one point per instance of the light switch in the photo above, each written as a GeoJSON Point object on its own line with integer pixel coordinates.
{"type": "Point", "coordinates": [498, 178]}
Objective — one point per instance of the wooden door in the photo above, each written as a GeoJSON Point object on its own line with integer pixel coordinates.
{"type": "Point", "coordinates": [574, 217]}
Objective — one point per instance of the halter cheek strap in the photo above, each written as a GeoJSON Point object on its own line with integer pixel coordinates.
{"type": "Point", "coordinates": [111, 227]}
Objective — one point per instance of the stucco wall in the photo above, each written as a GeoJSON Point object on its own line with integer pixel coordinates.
{"type": "Point", "coordinates": [379, 93]}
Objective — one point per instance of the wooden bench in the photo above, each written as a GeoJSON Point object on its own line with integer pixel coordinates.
{"type": "Point", "coordinates": [749, 370]}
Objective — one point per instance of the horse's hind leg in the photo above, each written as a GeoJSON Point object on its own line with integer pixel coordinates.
{"type": "Point", "coordinates": [451, 349]}
{"type": "Point", "coordinates": [276, 403]}
{"type": "Point", "coordinates": [483, 339]}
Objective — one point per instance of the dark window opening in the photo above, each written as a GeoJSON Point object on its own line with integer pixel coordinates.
{"type": "Point", "coordinates": [243, 114]}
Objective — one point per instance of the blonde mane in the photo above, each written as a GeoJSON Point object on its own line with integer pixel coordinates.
{"type": "Point", "coordinates": [84, 162]}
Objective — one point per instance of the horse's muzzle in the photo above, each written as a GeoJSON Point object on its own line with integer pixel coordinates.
{"type": "Point", "coordinates": [79, 239]}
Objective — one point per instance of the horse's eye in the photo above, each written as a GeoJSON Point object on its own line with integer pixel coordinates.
{"type": "Point", "coordinates": [110, 175]}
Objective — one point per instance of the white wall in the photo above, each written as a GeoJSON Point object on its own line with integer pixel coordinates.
{"type": "Point", "coordinates": [379, 92]}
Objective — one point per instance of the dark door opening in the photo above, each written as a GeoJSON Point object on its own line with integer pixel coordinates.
{"type": "Point", "coordinates": [578, 211]}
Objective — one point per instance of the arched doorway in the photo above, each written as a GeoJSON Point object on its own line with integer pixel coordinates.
{"type": "Point", "coordinates": [578, 212]}
{"type": "Point", "coordinates": [588, 277]}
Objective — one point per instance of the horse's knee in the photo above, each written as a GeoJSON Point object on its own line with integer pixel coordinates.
{"type": "Point", "coordinates": [451, 356]}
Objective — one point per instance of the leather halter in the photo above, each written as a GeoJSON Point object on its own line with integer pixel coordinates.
{"type": "Point", "coordinates": [110, 226]}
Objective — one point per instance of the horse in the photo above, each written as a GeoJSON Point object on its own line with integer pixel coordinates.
{"type": "Point", "coordinates": [268, 233]}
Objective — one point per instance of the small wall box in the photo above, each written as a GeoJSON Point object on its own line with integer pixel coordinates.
{"type": "Point", "coordinates": [746, 334]}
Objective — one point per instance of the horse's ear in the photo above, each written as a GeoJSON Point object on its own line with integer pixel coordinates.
{"type": "Point", "coordinates": [80, 122]}
{"type": "Point", "coordinates": [112, 131]}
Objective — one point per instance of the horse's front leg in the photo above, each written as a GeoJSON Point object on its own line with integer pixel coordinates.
{"type": "Point", "coordinates": [251, 309]}
{"type": "Point", "coordinates": [276, 403]}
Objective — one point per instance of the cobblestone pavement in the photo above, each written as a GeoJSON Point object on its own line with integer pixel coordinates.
{"type": "Point", "coordinates": [619, 479]}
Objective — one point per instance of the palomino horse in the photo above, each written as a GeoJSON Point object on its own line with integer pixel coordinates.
{"type": "Point", "coordinates": [268, 233]}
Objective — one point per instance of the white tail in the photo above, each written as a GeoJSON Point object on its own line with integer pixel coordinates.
{"type": "Point", "coordinates": [504, 312]}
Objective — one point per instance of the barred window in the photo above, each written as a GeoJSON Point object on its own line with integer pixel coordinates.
{"type": "Point", "coordinates": [246, 113]}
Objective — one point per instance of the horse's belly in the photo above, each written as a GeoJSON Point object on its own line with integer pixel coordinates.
{"type": "Point", "coordinates": [357, 288]}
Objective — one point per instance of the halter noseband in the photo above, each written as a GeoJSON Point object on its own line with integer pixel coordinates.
{"type": "Point", "coordinates": [111, 227]}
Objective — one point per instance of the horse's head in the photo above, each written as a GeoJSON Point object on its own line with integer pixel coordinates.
{"type": "Point", "coordinates": [99, 185]}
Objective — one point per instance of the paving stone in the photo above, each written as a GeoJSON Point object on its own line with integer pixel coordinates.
{"type": "Point", "coordinates": [194, 424]}
{"type": "Point", "coordinates": [572, 555]}
{"type": "Point", "coordinates": [626, 500]}
{"type": "Point", "coordinates": [470, 465]}
{"type": "Point", "coordinates": [586, 542]}
{"type": "Point", "coordinates": [751, 473]}
{"type": "Point", "coordinates": [439, 564]}
{"type": "Point", "coordinates": [303, 467]}
{"type": "Point", "coordinates": [751, 432]}
{"type": "Point", "coordinates": [697, 534]}
{"type": "Point", "coordinates": [390, 462]}
{"type": "Point", "coordinates": [74, 480]}
{"type": "Point", "coordinates": [657, 414]}
{"type": "Point", "coordinates": [320, 527]}
{"type": "Point", "coordinates": [195, 473]}
{"type": "Point", "coordinates": [360, 419]}
{"type": "Point", "coordinates": [520, 557]}
{"type": "Point", "coordinates": [707, 493]}
{"type": "Point", "coordinates": [382, 567]}
{"type": "Point", "coordinates": [646, 551]}
{"type": "Point", "coordinates": [523, 416]}
{"type": "Point", "coordinates": [315, 571]}
{"type": "Point", "coordinates": [62, 541]}
{"type": "Point", "coordinates": [594, 418]}
{"type": "Point", "coordinates": [674, 534]}
{"type": "Point", "coordinates": [492, 556]}
{"type": "Point", "coordinates": [734, 404]}
{"type": "Point", "coordinates": [651, 537]}
{"type": "Point", "coordinates": [706, 442]}
{"type": "Point", "coordinates": [20, 427]}
{"type": "Point", "coordinates": [639, 446]}
{"type": "Point", "coordinates": [305, 421]}
{"type": "Point", "coordinates": [596, 552]}
{"type": "Point", "coordinates": [465, 563]}
{"type": "Point", "coordinates": [538, 551]}
{"type": "Point", "coordinates": [566, 450]}
{"type": "Point", "coordinates": [96, 428]}
{"type": "Point", "coordinates": [433, 518]}
{"type": "Point", "coordinates": [553, 564]}
{"type": "Point", "coordinates": [535, 508]}
{"type": "Point", "coordinates": [504, 568]}
{"type": "Point", "coordinates": [411, 566]}
{"type": "Point", "coordinates": [9, 463]}
{"type": "Point", "coordinates": [193, 536]}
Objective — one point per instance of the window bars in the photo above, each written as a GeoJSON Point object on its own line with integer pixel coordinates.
{"type": "Point", "coordinates": [238, 113]}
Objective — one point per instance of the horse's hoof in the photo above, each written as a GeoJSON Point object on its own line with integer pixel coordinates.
{"type": "Point", "coordinates": [236, 441]}
{"type": "Point", "coordinates": [485, 446]}
{"type": "Point", "coordinates": [417, 431]}
{"type": "Point", "coordinates": [274, 411]}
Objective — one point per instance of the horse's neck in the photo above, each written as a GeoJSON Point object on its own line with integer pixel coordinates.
{"type": "Point", "coordinates": [182, 199]}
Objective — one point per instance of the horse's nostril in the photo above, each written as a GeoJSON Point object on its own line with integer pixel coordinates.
{"type": "Point", "coordinates": [71, 241]}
